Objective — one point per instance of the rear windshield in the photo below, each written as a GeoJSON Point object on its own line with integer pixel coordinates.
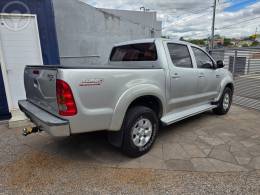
{"type": "Point", "coordinates": [134, 52]}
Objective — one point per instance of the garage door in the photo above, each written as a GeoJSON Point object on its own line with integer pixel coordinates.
{"type": "Point", "coordinates": [20, 46]}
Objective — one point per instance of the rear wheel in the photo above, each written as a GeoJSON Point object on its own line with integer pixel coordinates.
{"type": "Point", "coordinates": [140, 130]}
{"type": "Point", "coordinates": [224, 103]}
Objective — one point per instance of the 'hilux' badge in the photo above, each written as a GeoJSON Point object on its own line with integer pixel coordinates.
{"type": "Point", "coordinates": [91, 82]}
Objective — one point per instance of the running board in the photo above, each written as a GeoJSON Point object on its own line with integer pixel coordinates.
{"type": "Point", "coordinates": [175, 117]}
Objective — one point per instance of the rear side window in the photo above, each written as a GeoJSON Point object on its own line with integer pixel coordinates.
{"type": "Point", "coordinates": [180, 55]}
{"type": "Point", "coordinates": [134, 52]}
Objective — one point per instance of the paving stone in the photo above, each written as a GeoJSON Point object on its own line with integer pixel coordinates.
{"type": "Point", "coordinates": [174, 151]}
{"type": "Point", "coordinates": [255, 163]}
{"type": "Point", "coordinates": [149, 161]}
{"type": "Point", "coordinates": [222, 155]}
{"type": "Point", "coordinates": [214, 141]}
{"type": "Point", "coordinates": [227, 136]}
{"type": "Point", "coordinates": [237, 147]}
{"type": "Point", "coordinates": [255, 136]}
{"type": "Point", "coordinates": [224, 166]}
{"type": "Point", "coordinates": [254, 150]}
{"type": "Point", "coordinates": [200, 132]}
{"type": "Point", "coordinates": [157, 151]}
{"type": "Point", "coordinates": [168, 136]}
{"type": "Point", "coordinates": [179, 165]}
{"type": "Point", "coordinates": [243, 158]}
{"type": "Point", "coordinates": [223, 147]}
{"type": "Point", "coordinates": [206, 148]}
{"type": "Point", "coordinates": [202, 164]}
{"type": "Point", "coordinates": [188, 135]}
{"type": "Point", "coordinates": [248, 143]}
{"type": "Point", "coordinates": [207, 151]}
{"type": "Point", "coordinates": [130, 164]}
{"type": "Point", "coordinates": [193, 150]}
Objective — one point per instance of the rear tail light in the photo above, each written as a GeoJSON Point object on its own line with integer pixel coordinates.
{"type": "Point", "coordinates": [65, 99]}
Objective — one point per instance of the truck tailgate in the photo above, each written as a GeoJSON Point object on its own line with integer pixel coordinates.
{"type": "Point", "coordinates": [40, 87]}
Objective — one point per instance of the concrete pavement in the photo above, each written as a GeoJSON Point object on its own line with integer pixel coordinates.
{"type": "Point", "coordinates": [201, 155]}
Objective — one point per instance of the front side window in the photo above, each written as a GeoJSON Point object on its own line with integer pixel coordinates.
{"type": "Point", "coordinates": [180, 55]}
{"type": "Point", "coordinates": [202, 59]}
{"type": "Point", "coordinates": [134, 52]}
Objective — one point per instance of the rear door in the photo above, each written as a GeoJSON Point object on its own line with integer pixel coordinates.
{"type": "Point", "coordinates": [183, 76]}
{"type": "Point", "coordinates": [209, 77]}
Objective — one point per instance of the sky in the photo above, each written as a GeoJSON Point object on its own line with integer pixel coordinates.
{"type": "Point", "coordinates": [193, 18]}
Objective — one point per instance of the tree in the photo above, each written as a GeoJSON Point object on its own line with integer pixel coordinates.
{"type": "Point", "coordinates": [245, 45]}
{"type": "Point", "coordinates": [227, 42]}
{"type": "Point", "coordinates": [252, 37]}
{"type": "Point", "coordinates": [255, 43]}
{"type": "Point", "coordinates": [197, 41]}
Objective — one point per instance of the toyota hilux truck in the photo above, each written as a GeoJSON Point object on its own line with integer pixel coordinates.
{"type": "Point", "coordinates": [145, 84]}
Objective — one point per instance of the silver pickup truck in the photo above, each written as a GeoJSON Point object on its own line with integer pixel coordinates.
{"type": "Point", "coordinates": [145, 84]}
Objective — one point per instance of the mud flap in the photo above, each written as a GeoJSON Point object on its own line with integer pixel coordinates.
{"type": "Point", "coordinates": [115, 138]}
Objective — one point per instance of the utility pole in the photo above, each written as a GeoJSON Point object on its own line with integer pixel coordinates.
{"type": "Point", "coordinates": [255, 33]}
{"type": "Point", "coordinates": [213, 24]}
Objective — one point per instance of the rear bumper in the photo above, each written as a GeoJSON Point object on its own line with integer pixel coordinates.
{"type": "Point", "coordinates": [45, 121]}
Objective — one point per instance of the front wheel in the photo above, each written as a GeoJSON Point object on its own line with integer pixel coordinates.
{"type": "Point", "coordinates": [140, 130]}
{"type": "Point", "coordinates": [225, 102]}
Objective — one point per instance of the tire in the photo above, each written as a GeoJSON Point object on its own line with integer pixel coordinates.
{"type": "Point", "coordinates": [225, 102]}
{"type": "Point", "coordinates": [140, 129]}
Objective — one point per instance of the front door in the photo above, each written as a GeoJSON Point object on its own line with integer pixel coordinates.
{"type": "Point", "coordinates": [209, 77]}
{"type": "Point", "coordinates": [20, 46]}
{"type": "Point", "coordinates": [183, 77]}
{"type": "Point", "coordinates": [4, 112]}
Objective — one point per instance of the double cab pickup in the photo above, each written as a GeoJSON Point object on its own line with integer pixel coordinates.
{"type": "Point", "coordinates": [144, 85]}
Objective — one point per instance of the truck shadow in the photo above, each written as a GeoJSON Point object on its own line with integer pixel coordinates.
{"type": "Point", "coordinates": [94, 148]}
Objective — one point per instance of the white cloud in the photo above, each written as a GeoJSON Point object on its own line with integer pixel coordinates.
{"type": "Point", "coordinates": [192, 18]}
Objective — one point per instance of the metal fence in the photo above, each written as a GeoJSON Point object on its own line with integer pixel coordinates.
{"type": "Point", "coordinates": [245, 67]}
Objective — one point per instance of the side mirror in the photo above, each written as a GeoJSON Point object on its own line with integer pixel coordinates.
{"type": "Point", "coordinates": [220, 64]}
{"type": "Point", "coordinates": [207, 66]}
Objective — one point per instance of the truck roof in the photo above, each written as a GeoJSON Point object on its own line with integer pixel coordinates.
{"type": "Point", "coordinates": [151, 40]}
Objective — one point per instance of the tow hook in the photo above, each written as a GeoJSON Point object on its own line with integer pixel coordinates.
{"type": "Point", "coordinates": [30, 130]}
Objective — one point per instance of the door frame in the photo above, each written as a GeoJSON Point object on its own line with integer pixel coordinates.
{"type": "Point", "coordinates": [3, 64]}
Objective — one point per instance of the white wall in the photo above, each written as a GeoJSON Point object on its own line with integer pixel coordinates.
{"type": "Point", "coordinates": [87, 34]}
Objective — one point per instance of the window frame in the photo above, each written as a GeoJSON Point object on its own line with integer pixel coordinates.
{"type": "Point", "coordinates": [136, 61]}
{"type": "Point", "coordinates": [189, 51]}
{"type": "Point", "coordinates": [195, 59]}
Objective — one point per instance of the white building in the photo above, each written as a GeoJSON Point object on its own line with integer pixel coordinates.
{"type": "Point", "coordinates": [66, 32]}
{"type": "Point", "coordinates": [86, 34]}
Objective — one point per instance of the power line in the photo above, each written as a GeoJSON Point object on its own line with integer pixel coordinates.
{"type": "Point", "coordinates": [198, 34]}
{"type": "Point", "coordinates": [187, 19]}
{"type": "Point", "coordinates": [228, 26]}
{"type": "Point", "coordinates": [192, 12]}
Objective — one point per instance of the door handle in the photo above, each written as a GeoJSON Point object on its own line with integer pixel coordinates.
{"type": "Point", "coordinates": [217, 76]}
{"type": "Point", "coordinates": [201, 75]}
{"type": "Point", "coordinates": [176, 76]}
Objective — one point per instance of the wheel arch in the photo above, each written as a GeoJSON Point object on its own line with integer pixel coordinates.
{"type": "Point", "coordinates": [146, 95]}
{"type": "Point", "coordinates": [226, 82]}
{"type": "Point", "coordinates": [231, 86]}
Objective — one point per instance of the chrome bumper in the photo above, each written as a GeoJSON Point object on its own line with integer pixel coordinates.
{"type": "Point", "coordinates": [45, 121]}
